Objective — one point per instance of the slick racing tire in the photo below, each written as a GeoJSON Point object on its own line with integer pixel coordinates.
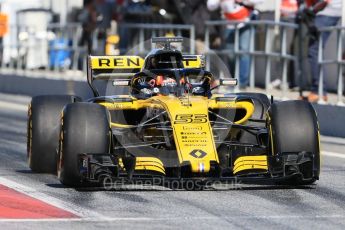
{"type": "Point", "coordinates": [43, 128]}
{"type": "Point", "coordinates": [85, 128]}
{"type": "Point", "coordinates": [293, 128]}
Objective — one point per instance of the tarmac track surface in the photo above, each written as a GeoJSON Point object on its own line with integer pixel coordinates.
{"type": "Point", "coordinates": [242, 206]}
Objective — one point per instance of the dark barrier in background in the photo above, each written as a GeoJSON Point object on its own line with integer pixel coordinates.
{"type": "Point", "coordinates": [331, 118]}
{"type": "Point", "coordinates": [329, 53]}
{"type": "Point", "coordinates": [14, 84]}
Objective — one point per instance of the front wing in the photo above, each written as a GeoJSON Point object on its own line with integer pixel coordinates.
{"type": "Point", "coordinates": [96, 168]}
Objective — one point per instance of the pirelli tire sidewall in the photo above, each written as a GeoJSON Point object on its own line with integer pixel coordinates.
{"type": "Point", "coordinates": [293, 127]}
{"type": "Point", "coordinates": [43, 128]}
{"type": "Point", "coordinates": [85, 128]}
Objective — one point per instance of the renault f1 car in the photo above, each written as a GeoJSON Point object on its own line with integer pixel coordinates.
{"type": "Point", "coordinates": [170, 126]}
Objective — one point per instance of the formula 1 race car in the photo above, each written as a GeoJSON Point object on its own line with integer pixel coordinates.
{"type": "Point", "coordinates": [170, 126]}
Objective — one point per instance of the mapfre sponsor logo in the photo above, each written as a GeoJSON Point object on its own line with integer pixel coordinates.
{"type": "Point", "coordinates": [193, 133]}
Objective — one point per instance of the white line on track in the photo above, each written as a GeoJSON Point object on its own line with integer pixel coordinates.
{"type": "Point", "coordinates": [332, 154]}
{"type": "Point", "coordinates": [13, 106]}
{"type": "Point", "coordinates": [91, 216]}
{"type": "Point", "coordinates": [332, 140]}
{"type": "Point", "coordinates": [75, 209]}
{"type": "Point", "coordinates": [133, 219]}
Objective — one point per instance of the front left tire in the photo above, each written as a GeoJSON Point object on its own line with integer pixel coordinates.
{"type": "Point", "coordinates": [294, 136]}
{"type": "Point", "coordinates": [85, 128]}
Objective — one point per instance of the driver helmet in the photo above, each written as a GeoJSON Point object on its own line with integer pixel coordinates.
{"type": "Point", "coordinates": [165, 81]}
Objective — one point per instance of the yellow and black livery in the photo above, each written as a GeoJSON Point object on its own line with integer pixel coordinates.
{"type": "Point", "coordinates": [172, 126]}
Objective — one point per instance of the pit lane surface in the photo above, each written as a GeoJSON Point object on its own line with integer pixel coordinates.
{"type": "Point", "coordinates": [241, 206]}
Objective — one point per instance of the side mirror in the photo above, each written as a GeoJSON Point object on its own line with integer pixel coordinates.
{"type": "Point", "coordinates": [121, 82]}
{"type": "Point", "coordinates": [228, 81]}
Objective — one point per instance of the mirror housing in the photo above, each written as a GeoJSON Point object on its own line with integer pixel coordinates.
{"type": "Point", "coordinates": [228, 81]}
{"type": "Point", "coordinates": [121, 82]}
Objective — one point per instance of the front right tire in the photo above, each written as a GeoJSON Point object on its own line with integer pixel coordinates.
{"type": "Point", "coordinates": [43, 128]}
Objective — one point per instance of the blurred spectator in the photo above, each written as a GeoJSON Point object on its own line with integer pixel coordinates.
{"type": "Point", "coordinates": [324, 13]}
{"type": "Point", "coordinates": [238, 10]}
{"type": "Point", "coordinates": [196, 13]}
{"type": "Point", "coordinates": [288, 11]}
{"type": "Point", "coordinates": [105, 8]}
{"type": "Point", "coordinates": [88, 18]}
{"type": "Point", "coordinates": [288, 8]}
{"type": "Point", "coordinates": [131, 11]}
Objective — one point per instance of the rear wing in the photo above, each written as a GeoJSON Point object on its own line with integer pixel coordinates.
{"type": "Point", "coordinates": [113, 67]}
{"type": "Point", "coordinates": [124, 67]}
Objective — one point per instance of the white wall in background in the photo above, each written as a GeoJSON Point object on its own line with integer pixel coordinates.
{"type": "Point", "coordinates": [12, 6]}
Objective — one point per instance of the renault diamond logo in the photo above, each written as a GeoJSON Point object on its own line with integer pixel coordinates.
{"type": "Point", "coordinates": [197, 153]}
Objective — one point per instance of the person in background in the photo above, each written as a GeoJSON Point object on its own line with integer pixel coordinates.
{"type": "Point", "coordinates": [195, 12]}
{"type": "Point", "coordinates": [106, 9]}
{"type": "Point", "coordinates": [131, 11]}
{"type": "Point", "coordinates": [324, 13]}
{"type": "Point", "coordinates": [243, 11]}
{"type": "Point", "coordinates": [288, 9]}
{"type": "Point", "coordinates": [88, 19]}
{"type": "Point", "coordinates": [288, 12]}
